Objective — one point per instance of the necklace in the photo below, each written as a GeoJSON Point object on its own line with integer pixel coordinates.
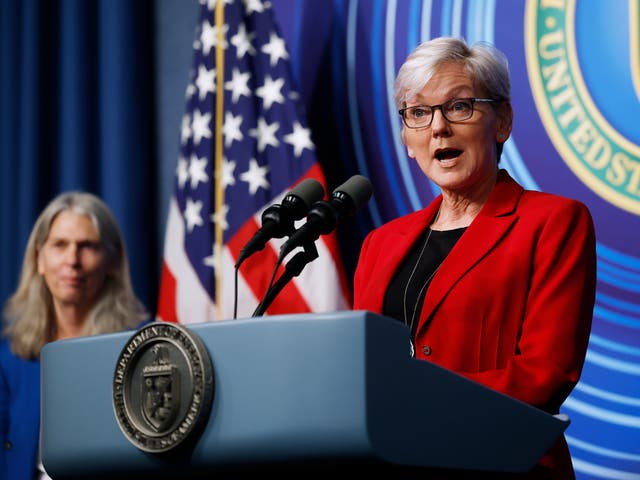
{"type": "Point", "coordinates": [424, 285]}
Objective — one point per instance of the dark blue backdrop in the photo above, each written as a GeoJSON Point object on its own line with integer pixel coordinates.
{"type": "Point", "coordinates": [77, 97]}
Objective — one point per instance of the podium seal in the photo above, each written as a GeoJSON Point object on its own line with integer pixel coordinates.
{"type": "Point", "coordinates": [162, 387]}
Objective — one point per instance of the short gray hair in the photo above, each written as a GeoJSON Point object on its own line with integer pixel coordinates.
{"type": "Point", "coordinates": [487, 65]}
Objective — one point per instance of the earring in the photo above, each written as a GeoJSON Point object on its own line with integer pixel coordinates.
{"type": "Point", "coordinates": [500, 136]}
{"type": "Point", "coordinates": [411, 154]}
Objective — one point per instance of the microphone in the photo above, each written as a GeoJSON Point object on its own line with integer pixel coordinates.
{"type": "Point", "coordinates": [277, 220]}
{"type": "Point", "coordinates": [325, 216]}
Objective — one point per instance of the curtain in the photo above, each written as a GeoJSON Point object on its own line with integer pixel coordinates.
{"type": "Point", "coordinates": [76, 113]}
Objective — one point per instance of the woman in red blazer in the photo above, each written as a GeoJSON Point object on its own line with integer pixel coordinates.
{"type": "Point", "coordinates": [495, 282]}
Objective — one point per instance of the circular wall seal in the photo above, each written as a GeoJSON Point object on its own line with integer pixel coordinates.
{"type": "Point", "coordinates": [162, 386]}
{"type": "Point", "coordinates": [587, 121]}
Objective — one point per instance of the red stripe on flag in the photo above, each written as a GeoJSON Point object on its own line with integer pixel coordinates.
{"type": "Point", "coordinates": [167, 295]}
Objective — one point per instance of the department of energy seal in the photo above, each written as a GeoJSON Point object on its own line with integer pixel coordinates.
{"type": "Point", "coordinates": [162, 387]}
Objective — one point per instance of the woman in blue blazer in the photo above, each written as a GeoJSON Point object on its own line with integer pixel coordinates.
{"type": "Point", "coordinates": [75, 281]}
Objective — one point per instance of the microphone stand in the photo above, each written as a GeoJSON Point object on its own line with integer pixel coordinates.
{"type": "Point", "coordinates": [293, 268]}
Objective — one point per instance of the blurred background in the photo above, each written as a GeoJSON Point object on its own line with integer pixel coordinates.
{"type": "Point", "coordinates": [93, 93]}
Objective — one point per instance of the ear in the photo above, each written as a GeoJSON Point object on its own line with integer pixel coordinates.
{"type": "Point", "coordinates": [504, 122]}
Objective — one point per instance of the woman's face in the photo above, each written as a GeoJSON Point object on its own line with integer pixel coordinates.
{"type": "Point", "coordinates": [73, 261]}
{"type": "Point", "coordinates": [457, 156]}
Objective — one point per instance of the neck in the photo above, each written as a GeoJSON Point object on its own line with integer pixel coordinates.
{"type": "Point", "coordinates": [69, 322]}
{"type": "Point", "coordinates": [459, 208]}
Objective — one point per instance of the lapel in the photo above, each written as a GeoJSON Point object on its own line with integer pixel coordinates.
{"type": "Point", "coordinates": [402, 239]}
{"type": "Point", "coordinates": [397, 242]}
{"type": "Point", "coordinates": [492, 223]}
{"type": "Point", "coordinates": [406, 235]}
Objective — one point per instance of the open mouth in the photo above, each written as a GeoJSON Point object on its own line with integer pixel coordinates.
{"type": "Point", "coordinates": [447, 154]}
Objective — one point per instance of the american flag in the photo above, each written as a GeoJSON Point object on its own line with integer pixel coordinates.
{"type": "Point", "coordinates": [244, 144]}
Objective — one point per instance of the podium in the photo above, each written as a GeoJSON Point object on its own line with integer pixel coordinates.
{"type": "Point", "coordinates": [293, 392]}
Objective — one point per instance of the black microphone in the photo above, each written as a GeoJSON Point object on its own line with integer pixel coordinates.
{"type": "Point", "coordinates": [325, 216]}
{"type": "Point", "coordinates": [277, 220]}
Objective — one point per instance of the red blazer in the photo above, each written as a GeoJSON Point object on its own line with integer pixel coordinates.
{"type": "Point", "coordinates": [511, 305]}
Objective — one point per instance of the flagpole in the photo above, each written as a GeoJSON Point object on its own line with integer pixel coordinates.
{"type": "Point", "coordinates": [219, 188]}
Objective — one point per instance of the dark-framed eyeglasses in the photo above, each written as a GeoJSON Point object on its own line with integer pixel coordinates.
{"type": "Point", "coordinates": [454, 110]}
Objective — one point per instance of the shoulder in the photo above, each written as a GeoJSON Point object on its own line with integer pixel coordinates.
{"type": "Point", "coordinates": [551, 204]}
{"type": "Point", "coordinates": [8, 359]}
{"type": "Point", "coordinates": [557, 219]}
{"type": "Point", "coordinates": [5, 350]}
{"type": "Point", "coordinates": [14, 369]}
{"type": "Point", "coordinates": [510, 197]}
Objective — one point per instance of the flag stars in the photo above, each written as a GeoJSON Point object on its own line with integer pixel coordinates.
{"type": "Point", "coordinates": [182, 172]}
{"type": "Point", "coordinates": [211, 4]}
{"type": "Point", "coordinates": [197, 171]}
{"type": "Point", "coordinates": [300, 139]}
{"type": "Point", "coordinates": [231, 128]}
{"type": "Point", "coordinates": [210, 36]}
{"type": "Point", "coordinates": [200, 126]}
{"type": "Point", "coordinates": [189, 91]}
{"type": "Point", "coordinates": [220, 218]}
{"type": "Point", "coordinates": [205, 81]}
{"type": "Point", "coordinates": [242, 41]}
{"type": "Point", "coordinates": [270, 91]}
{"type": "Point", "coordinates": [265, 134]}
{"type": "Point", "coordinates": [185, 129]}
{"type": "Point", "coordinates": [255, 176]}
{"type": "Point", "coordinates": [228, 167]}
{"type": "Point", "coordinates": [192, 214]}
{"type": "Point", "coordinates": [254, 6]}
{"type": "Point", "coordinates": [207, 37]}
{"type": "Point", "coordinates": [215, 259]}
{"type": "Point", "coordinates": [238, 85]}
{"type": "Point", "coordinates": [275, 49]}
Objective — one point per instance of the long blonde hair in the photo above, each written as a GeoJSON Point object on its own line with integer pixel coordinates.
{"type": "Point", "coordinates": [29, 311]}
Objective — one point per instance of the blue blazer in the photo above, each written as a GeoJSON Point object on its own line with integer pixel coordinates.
{"type": "Point", "coordinates": [19, 415]}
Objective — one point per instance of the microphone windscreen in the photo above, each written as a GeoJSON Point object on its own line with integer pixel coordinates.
{"type": "Point", "coordinates": [309, 191]}
{"type": "Point", "coordinates": [358, 188]}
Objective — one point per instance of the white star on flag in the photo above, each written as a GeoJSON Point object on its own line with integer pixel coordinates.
{"type": "Point", "coordinates": [300, 139]}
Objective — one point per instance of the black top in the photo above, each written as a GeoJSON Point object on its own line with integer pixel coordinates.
{"type": "Point", "coordinates": [439, 244]}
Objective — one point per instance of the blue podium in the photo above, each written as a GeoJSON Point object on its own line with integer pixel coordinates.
{"type": "Point", "coordinates": [293, 390]}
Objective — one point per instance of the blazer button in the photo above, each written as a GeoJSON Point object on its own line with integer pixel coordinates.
{"type": "Point", "coordinates": [8, 445]}
{"type": "Point", "coordinates": [426, 350]}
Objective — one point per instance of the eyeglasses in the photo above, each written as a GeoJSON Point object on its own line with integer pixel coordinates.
{"type": "Point", "coordinates": [454, 110]}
